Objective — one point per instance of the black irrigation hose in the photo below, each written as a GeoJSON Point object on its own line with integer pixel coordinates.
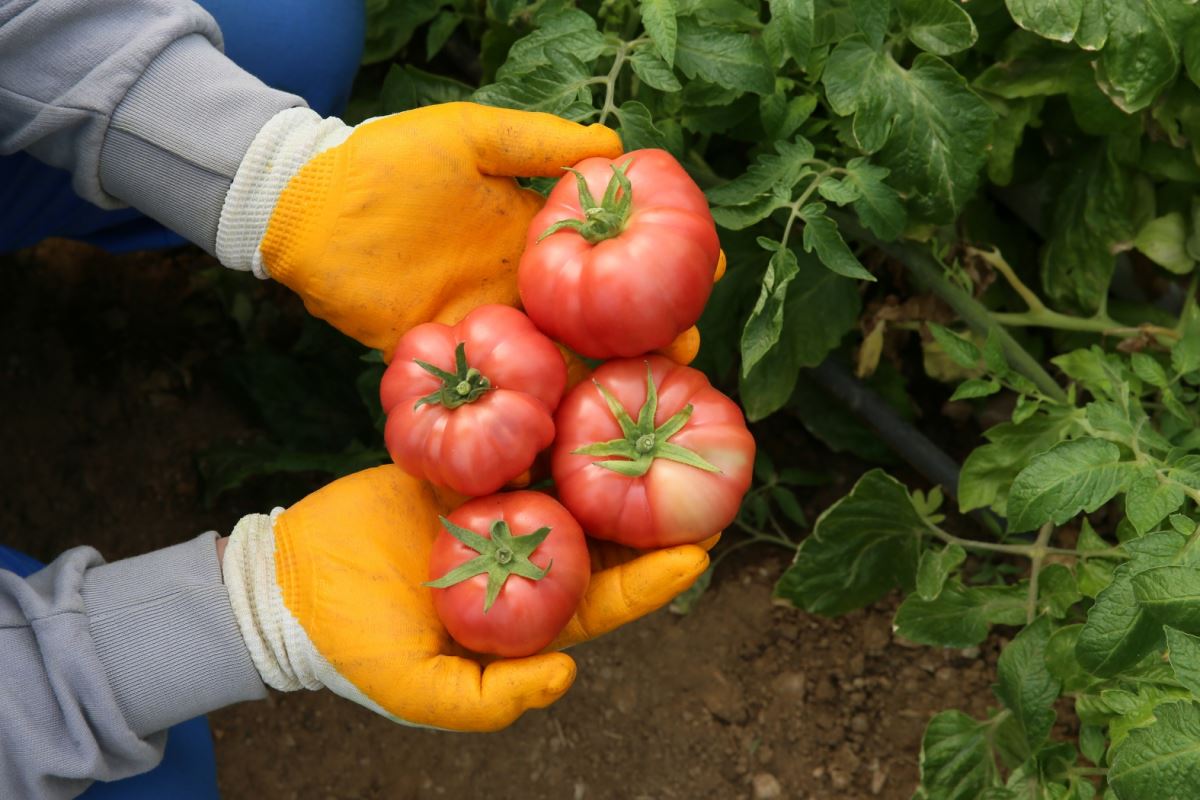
{"type": "Point", "coordinates": [897, 433]}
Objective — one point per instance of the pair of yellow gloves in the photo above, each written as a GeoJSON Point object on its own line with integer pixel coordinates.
{"type": "Point", "coordinates": [401, 220]}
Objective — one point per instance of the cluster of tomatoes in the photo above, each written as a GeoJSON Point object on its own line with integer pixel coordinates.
{"type": "Point", "coordinates": [644, 452]}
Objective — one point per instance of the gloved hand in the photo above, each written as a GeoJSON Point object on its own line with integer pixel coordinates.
{"type": "Point", "coordinates": [401, 220]}
{"type": "Point", "coordinates": [329, 594]}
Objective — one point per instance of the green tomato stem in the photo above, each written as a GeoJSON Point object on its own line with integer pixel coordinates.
{"type": "Point", "coordinates": [464, 385]}
{"type": "Point", "coordinates": [501, 556]}
{"type": "Point", "coordinates": [641, 443]}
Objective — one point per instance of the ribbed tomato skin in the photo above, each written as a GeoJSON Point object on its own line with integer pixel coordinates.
{"type": "Point", "coordinates": [632, 293]}
{"type": "Point", "coordinates": [527, 614]}
{"type": "Point", "coordinates": [477, 448]}
{"type": "Point", "coordinates": [672, 503]}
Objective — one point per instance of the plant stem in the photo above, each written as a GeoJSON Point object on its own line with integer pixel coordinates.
{"type": "Point", "coordinates": [1039, 555]}
{"type": "Point", "coordinates": [610, 80]}
{"type": "Point", "coordinates": [799, 203]}
{"type": "Point", "coordinates": [928, 271]}
{"type": "Point", "coordinates": [998, 263]}
{"type": "Point", "coordinates": [1027, 550]}
{"type": "Point", "coordinates": [1103, 325]}
{"type": "Point", "coordinates": [1040, 316]}
{"type": "Point", "coordinates": [758, 536]}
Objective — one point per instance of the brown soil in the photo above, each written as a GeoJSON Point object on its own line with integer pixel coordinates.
{"type": "Point", "coordinates": [107, 392]}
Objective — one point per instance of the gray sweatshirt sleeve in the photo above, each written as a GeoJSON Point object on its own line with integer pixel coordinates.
{"type": "Point", "coordinates": [97, 660]}
{"type": "Point", "coordinates": [135, 99]}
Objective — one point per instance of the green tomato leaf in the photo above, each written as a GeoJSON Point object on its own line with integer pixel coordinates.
{"type": "Point", "coordinates": [876, 528]}
{"type": "Point", "coordinates": [407, 88]}
{"type": "Point", "coordinates": [1036, 69]}
{"type": "Point", "coordinates": [1161, 760]}
{"type": "Point", "coordinates": [1184, 652]}
{"type": "Point", "coordinates": [766, 320]}
{"type": "Point", "coordinates": [1163, 241]}
{"type": "Point", "coordinates": [872, 18]}
{"type": "Point", "coordinates": [1140, 56]}
{"type": "Point", "coordinates": [989, 470]}
{"type": "Point", "coordinates": [795, 20]}
{"type": "Point", "coordinates": [789, 505]}
{"type": "Point", "coordinates": [1080, 475]}
{"type": "Point", "coordinates": [567, 31]}
{"type": "Point", "coordinates": [976, 387]}
{"type": "Point", "coordinates": [1171, 595]}
{"type": "Point", "coordinates": [658, 17]}
{"type": "Point", "coordinates": [724, 57]}
{"type": "Point", "coordinates": [1013, 117]}
{"type": "Point", "coordinates": [653, 71]}
{"type": "Point", "coordinates": [740, 217]}
{"type": "Point", "coordinates": [1118, 633]}
{"type": "Point", "coordinates": [821, 234]}
{"type": "Point", "coordinates": [1050, 19]}
{"type": "Point", "coordinates": [439, 31]}
{"type": "Point", "coordinates": [935, 567]}
{"type": "Point", "coordinates": [1092, 33]}
{"type": "Point", "coordinates": [1146, 367]}
{"type": "Point", "coordinates": [1101, 373]}
{"type": "Point", "coordinates": [784, 168]}
{"type": "Point", "coordinates": [877, 205]}
{"type": "Point", "coordinates": [1148, 502]}
{"type": "Point", "coordinates": [1062, 663]}
{"type": "Point", "coordinates": [1025, 685]}
{"type": "Point", "coordinates": [960, 349]}
{"type": "Point", "coordinates": [1091, 221]}
{"type": "Point", "coordinates": [782, 114]}
{"type": "Point", "coordinates": [956, 759]}
{"type": "Point", "coordinates": [926, 124]}
{"type": "Point", "coordinates": [637, 127]}
{"type": "Point", "coordinates": [820, 309]}
{"type": "Point", "coordinates": [961, 615]}
{"type": "Point", "coordinates": [937, 26]}
{"type": "Point", "coordinates": [391, 24]}
{"type": "Point", "coordinates": [560, 89]}
{"type": "Point", "coordinates": [1058, 591]}
{"type": "Point", "coordinates": [1185, 355]}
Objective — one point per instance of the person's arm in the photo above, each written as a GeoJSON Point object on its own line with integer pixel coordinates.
{"type": "Point", "coordinates": [136, 100]}
{"type": "Point", "coordinates": [97, 660]}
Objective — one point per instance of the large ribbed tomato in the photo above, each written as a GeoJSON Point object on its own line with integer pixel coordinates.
{"type": "Point", "coordinates": [508, 572]}
{"type": "Point", "coordinates": [625, 274]}
{"type": "Point", "coordinates": [649, 454]}
{"type": "Point", "coordinates": [470, 406]}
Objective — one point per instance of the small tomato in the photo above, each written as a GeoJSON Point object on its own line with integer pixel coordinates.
{"type": "Point", "coordinates": [508, 572]}
{"type": "Point", "coordinates": [470, 406]}
{"type": "Point", "coordinates": [626, 274]}
{"type": "Point", "coordinates": [649, 454]}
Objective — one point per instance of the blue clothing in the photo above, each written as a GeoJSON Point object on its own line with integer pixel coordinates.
{"type": "Point", "coordinates": [188, 770]}
{"type": "Point", "coordinates": [311, 48]}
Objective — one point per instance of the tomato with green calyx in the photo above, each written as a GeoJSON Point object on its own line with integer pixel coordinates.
{"type": "Point", "coordinates": [649, 454]}
{"type": "Point", "coordinates": [469, 406]}
{"type": "Point", "coordinates": [628, 273]}
{"type": "Point", "coordinates": [508, 572]}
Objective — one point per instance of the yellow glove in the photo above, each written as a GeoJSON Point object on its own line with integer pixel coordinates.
{"type": "Point", "coordinates": [329, 594]}
{"type": "Point", "coordinates": [401, 220]}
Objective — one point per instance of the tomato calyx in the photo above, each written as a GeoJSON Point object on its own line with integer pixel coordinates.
{"type": "Point", "coordinates": [465, 385]}
{"type": "Point", "coordinates": [499, 557]}
{"type": "Point", "coordinates": [605, 219]}
{"type": "Point", "coordinates": [642, 442]}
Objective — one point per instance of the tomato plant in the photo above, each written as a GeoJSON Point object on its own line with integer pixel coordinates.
{"type": "Point", "coordinates": [986, 211]}
{"type": "Point", "coordinates": [675, 473]}
{"type": "Point", "coordinates": [469, 406]}
{"type": "Point", "coordinates": [625, 274]}
{"type": "Point", "coordinates": [508, 572]}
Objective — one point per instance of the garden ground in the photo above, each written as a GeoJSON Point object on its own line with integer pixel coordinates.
{"type": "Point", "coordinates": [108, 393]}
